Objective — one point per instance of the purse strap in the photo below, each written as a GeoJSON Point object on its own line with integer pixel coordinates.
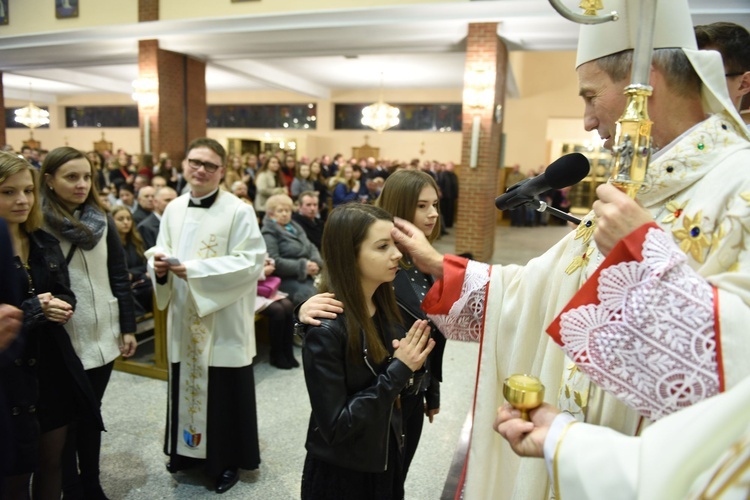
{"type": "Point", "coordinates": [72, 250]}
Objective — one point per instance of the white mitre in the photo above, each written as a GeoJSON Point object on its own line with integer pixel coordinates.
{"type": "Point", "coordinates": [673, 28]}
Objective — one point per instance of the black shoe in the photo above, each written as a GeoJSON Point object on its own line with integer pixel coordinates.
{"type": "Point", "coordinates": [292, 360]}
{"type": "Point", "coordinates": [94, 492]}
{"type": "Point", "coordinates": [227, 479]}
{"type": "Point", "coordinates": [281, 362]}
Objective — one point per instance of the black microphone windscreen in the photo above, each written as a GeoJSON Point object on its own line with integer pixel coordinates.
{"type": "Point", "coordinates": [567, 170]}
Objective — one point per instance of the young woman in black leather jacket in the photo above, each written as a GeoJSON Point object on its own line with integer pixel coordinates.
{"type": "Point", "coordinates": [357, 365]}
{"type": "Point", "coordinates": [411, 195]}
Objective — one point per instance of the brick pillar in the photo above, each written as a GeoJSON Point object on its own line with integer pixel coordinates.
{"type": "Point", "coordinates": [475, 228]}
{"type": "Point", "coordinates": [148, 10]}
{"type": "Point", "coordinates": [3, 140]}
{"type": "Point", "coordinates": [180, 115]}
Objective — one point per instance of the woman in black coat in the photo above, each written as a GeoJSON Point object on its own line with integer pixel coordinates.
{"type": "Point", "coordinates": [45, 386]}
{"type": "Point", "coordinates": [357, 365]}
{"type": "Point", "coordinates": [411, 195]}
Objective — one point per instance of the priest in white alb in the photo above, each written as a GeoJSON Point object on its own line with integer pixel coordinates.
{"type": "Point", "coordinates": [205, 267]}
{"type": "Point", "coordinates": [647, 303]}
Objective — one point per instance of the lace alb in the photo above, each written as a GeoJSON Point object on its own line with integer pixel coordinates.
{"type": "Point", "coordinates": [651, 340]}
{"type": "Point", "coordinates": [465, 319]}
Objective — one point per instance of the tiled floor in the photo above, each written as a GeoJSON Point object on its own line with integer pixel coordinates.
{"type": "Point", "coordinates": [134, 412]}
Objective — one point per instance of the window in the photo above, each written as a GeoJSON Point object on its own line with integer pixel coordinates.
{"type": "Point", "coordinates": [283, 116]}
{"type": "Point", "coordinates": [435, 117]}
{"type": "Point", "coordinates": [101, 116]}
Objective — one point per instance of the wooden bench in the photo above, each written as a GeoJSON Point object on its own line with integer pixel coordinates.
{"type": "Point", "coordinates": [159, 368]}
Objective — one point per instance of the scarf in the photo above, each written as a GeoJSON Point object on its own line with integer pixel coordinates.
{"type": "Point", "coordinates": [86, 232]}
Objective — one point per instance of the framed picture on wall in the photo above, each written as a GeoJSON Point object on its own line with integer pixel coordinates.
{"type": "Point", "coordinates": [66, 8]}
{"type": "Point", "coordinates": [4, 11]}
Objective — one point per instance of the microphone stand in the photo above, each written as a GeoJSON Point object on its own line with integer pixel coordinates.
{"type": "Point", "coordinates": [541, 206]}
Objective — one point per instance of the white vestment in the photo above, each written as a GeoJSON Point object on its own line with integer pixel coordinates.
{"type": "Point", "coordinates": [701, 180]}
{"type": "Point", "coordinates": [211, 314]}
{"type": "Point", "coordinates": [700, 452]}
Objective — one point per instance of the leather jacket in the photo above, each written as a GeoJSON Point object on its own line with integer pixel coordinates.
{"type": "Point", "coordinates": [352, 399]}
{"type": "Point", "coordinates": [430, 375]}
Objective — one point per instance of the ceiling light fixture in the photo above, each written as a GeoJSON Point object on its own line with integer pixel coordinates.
{"type": "Point", "coordinates": [380, 116]}
{"type": "Point", "coordinates": [32, 116]}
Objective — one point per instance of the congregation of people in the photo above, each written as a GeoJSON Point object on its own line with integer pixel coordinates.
{"type": "Point", "coordinates": [341, 252]}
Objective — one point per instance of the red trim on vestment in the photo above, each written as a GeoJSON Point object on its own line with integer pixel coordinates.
{"type": "Point", "coordinates": [627, 249]}
{"type": "Point", "coordinates": [446, 291]}
{"type": "Point", "coordinates": [462, 480]}
{"type": "Point", "coordinates": [717, 339]}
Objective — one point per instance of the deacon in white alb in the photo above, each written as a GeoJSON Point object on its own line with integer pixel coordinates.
{"type": "Point", "coordinates": [205, 266]}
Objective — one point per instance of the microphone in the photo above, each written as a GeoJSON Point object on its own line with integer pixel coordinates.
{"type": "Point", "coordinates": [563, 172]}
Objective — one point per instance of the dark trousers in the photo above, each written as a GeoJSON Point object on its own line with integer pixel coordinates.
{"type": "Point", "coordinates": [448, 208]}
{"type": "Point", "coordinates": [81, 454]}
{"type": "Point", "coordinates": [412, 409]}
{"type": "Point", "coordinates": [280, 316]}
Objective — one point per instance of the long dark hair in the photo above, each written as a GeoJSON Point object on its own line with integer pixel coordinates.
{"type": "Point", "coordinates": [54, 209]}
{"type": "Point", "coordinates": [343, 235]}
{"type": "Point", "coordinates": [278, 179]}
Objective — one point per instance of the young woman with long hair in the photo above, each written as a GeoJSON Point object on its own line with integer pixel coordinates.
{"type": "Point", "coordinates": [268, 182]}
{"type": "Point", "coordinates": [135, 260]}
{"type": "Point", "coordinates": [234, 172]}
{"type": "Point", "coordinates": [357, 364]}
{"type": "Point", "coordinates": [302, 182]}
{"type": "Point", "coordinates": [346, 187]}
{"type": "Point", "coordinates": [289, 170]}
{"type": "Point", "coordinates": [411, 195]}
{"type": "Point", "coordinates": [46, 386]}
{"type": "Point", "coordinates": [319, 185]}
{"type": "Point", "coordinates": [104, 325]}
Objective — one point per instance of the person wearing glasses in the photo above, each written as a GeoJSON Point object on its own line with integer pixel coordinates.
{"type": "Point", "coordinates": [732, 41]}
{"type": "Point", "coordinates": [205, 267]}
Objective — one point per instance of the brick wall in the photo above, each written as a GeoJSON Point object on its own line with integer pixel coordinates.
{"type": "Point", "coordinates": [197, 110]}
{"type": "Point", "coordinates": [148, 10]}
{"type": "Point", "coordinates": [2, 122]}
{"type": "Point", "coordinates": [181, 113]}
{"type": "Point", "coordinates": [475, 227]}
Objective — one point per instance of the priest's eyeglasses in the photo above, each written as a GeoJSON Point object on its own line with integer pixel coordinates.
{"type": "Point", "coordinates": [207, 165]}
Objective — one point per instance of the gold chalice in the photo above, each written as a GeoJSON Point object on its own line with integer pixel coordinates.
{"type": "Point", "coordinates": [523, 392]}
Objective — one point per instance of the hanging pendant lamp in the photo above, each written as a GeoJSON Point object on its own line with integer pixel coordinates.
{"type": "Point", "coordinates": [32, 116]}
{"type": "Point", "coordinates": [380, 116]}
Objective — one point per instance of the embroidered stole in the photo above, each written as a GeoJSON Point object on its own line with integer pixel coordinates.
{"type": "Point", "coordinates": [197, 240]}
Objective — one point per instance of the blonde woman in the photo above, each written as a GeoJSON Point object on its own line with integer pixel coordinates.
{"type": "Point", "coordinates": [347, 187]}
{"type": "Point", "coordinates": [48, 389]}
